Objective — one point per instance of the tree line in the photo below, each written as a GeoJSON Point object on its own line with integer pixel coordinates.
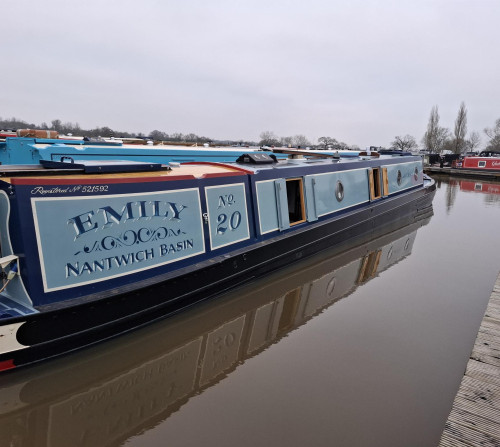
{"type": "Point", "coordinates": [435, 139]}
{"type": "Point", "coordinates": [269, 138]}
{"type": "Point", "coordinates": [67, 128]}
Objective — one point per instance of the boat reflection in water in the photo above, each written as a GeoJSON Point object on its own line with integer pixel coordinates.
{"type": "Point", "coordinates": [106, 394]}
{"type": "Point", "coordinates": [483, 187]}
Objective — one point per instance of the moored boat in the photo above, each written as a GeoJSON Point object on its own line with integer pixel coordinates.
{"type": "Point", "coordinates": [80, 238]}
{"type": "Point", "coordinates": [481, 163]}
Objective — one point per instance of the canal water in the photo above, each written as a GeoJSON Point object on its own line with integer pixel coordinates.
{"type": "Point", "coordinates": [362, 345]}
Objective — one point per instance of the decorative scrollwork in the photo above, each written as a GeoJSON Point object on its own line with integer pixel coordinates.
{"type": "Point", "coordinates": [130, 238]}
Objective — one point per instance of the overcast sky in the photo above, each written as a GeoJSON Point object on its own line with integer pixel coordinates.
{"type": "Point", "coordinates": [361, 71]}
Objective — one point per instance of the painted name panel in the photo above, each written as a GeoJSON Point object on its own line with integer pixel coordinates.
{"type": "Point", "coordinates": [227, 214]}
{"type": "Point", "coordinates": [92, 239]}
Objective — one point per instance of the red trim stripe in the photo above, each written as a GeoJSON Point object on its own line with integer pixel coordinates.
{"type": "Point", "coordinates": [7, 364]}
{"type": "Point", "coordinates": [222, 174]}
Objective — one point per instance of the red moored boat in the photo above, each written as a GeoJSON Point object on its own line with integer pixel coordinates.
{"type": "Point", "coordinates": [481, 163]}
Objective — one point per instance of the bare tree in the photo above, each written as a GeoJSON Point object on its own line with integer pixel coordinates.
{"type": "Point", "coordinates": [268, 138]}
{"type": "Point", "coordinates": [436, 136]}
{"type": "Point", "coordinates": [460, 129]}
{"type": "Point", "coordinates": [191, 138]}
{"type": "Point", "coordinates": [300, 140]}
{"type": "Point", "coordinates": [327, 141]}
{"type": "Point", "coordinates": [286, 141]}
{"type": "Point", "coordinates": [473, 142]}
{"type": "Point", "coordinates": [406, 143]}
{"type": "Point", "coordinates": [432, 125]}
{"type": "Point", "coordinates": [494, 136]}
{"type": "Point", "coordinates": [158, 135]}
{"type": "Point", "coordinates": [56, 125]}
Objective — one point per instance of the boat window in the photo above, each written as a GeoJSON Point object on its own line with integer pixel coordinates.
{"type": "Point", "coordinates": [295, 196]}
{"type": "Point", "coordinates": [339, 191]}
{"type": "Point", "coordinates": [482, 164]}
{"type": "Point", "coordinates": [375, 186]}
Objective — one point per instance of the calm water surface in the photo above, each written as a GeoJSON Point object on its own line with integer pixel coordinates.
{"type": "Point", "coordinates": [363, 347]}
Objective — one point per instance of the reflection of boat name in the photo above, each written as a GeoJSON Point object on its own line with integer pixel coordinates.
{"type": "Point", "coordinates": [88, 221]}
{"type": "Point", "coordinates": [130, 381]}
{"type": "Point", "coordinates": [129, 400]}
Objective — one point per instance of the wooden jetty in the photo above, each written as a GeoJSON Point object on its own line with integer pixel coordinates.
{"type": "Point", "coordinates": [475, 417]}
{"type": "Point", "coordinates": [460, 172]}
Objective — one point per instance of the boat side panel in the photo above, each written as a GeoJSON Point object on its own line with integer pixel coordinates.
{"type": "Point", "coordinates": [267, 207]}
{"type": "Point", "coordinates": [320, 194]}
{"type": "Point", "coordinates": [353, 185]}
{"type": "Point", "coordinates": [403, 176]}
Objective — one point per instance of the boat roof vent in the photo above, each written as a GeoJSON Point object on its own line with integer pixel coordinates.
{"type": "Point", "coordinates": [257, 158]}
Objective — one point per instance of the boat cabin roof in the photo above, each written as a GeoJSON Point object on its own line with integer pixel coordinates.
{"type": "Point", "coordinates": [36, 173]}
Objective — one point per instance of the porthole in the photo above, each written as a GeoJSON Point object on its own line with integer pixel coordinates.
{"type": "Point", "coordinates": [339, 191]}
{"type": "Point", "coordinates": [400, 177]}
{"type": "Point", "coordinates": [415, 175]}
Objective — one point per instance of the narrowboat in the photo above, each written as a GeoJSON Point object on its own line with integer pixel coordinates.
{"type": "Point", "coordinates": [80, 239]}
{"type": "Point", "coordinates": [481, 163]}
{"type": "Point", "coordinates": [147, 376]}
